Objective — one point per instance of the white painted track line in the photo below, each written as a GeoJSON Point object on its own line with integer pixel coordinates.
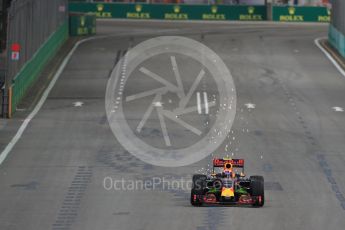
{"type": "Point", "coordinates": [334, 62]}
{"type": "Point", "coordinates": [40, 103]}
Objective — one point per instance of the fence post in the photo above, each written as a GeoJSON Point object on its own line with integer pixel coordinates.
{"type": "Point", "coordinates": [4, 102]}
{"type": "Point", "coordinates": [269, 8]}
{"type": "Point", "coordinates": [9, 102]}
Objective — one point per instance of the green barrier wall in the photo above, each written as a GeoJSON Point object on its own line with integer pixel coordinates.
{"type": "Point", "coordinates": [32, 68]}
{"type": "Point", "coordinates": [301, 14]}
{"type": "Point", "coordinates": [337, 40]}
{"type": "Point", "coordinates": [171, 11]}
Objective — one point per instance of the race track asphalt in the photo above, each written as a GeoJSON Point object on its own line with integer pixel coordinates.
{"type": "Point", "coordinates": [54, 176]}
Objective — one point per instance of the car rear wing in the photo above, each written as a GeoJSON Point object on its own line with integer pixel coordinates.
{"type": "Point", "coordinates": [236, 163]}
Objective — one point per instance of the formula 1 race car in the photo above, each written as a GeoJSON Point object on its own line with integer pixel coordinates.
{"type": "Point", "coordinates": [229, 186]}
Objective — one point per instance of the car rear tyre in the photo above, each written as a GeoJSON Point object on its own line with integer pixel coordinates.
{"type": "Point", "coordinates": [257, 190]}
{"type": "Point", "coordinates": [199, 184]}
{"type": "Point", "coordinates": [193, 201]}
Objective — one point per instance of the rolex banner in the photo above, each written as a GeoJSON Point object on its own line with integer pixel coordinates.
{"type": "Point", "coordinates": [301, 14]}
{"type": "Point", "coordinates": [172, 11]}
{"type": "Point", "coordinates": [203, 12]}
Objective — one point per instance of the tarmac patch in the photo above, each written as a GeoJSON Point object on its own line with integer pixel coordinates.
{"type": "Point", "coordinates": [273, 186]}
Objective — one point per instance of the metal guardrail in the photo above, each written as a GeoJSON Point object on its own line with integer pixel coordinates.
{"type": "Point", "coordinates": [30, 23]}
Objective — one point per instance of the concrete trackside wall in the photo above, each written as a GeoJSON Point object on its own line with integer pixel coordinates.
{"type": "Point", "coordinates": [30, 71]}
{"type": "Point", "coordinates": [338, 15]}
{"type": "Point", "coordinates": [337, 28]}
{"type": "Point", "coordinates": [337, 39]}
